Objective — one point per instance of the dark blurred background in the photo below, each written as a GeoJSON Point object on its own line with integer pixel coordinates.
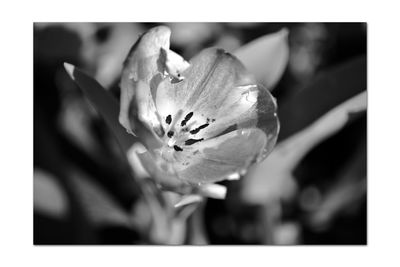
{"type": "Point", "coordinates": [83, 193]}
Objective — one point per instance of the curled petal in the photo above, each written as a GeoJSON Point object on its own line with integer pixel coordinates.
{"type": "Point", "coordinates": [149, 57]}
{"type": "Point", "coordinates": [141, 64]}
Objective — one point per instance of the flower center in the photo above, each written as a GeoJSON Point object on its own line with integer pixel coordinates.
{"type": "Point", "coordinates": [182, 130]}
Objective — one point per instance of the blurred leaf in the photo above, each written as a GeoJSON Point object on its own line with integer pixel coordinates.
{"type": "Point", "coordinates": [49, 196]}
{"type": "Point", "coordinates": [191, 34]}
{"type": "Point", "coordinates": [347, 192]}
{"type": "Point", "coordinates": [286, 234]}
{"type": "Point", "coordinates": [100, 207]}
{"type": "Point", "coordinates": [338, 199]}
{"type": "Point", "coordinates": [266, 57]}
{"type": "Point", "coordinates": [103, 102]}
{"type": "Point", "coordinates": [107, 56]}
{"type": "Point", "coordinates": [197, 234]}
{"type": "Point", "coordinates": [272, 179]}
{"type": "Point", "coordinates": [329, 89]}
{"type": "Point", "coordinates": [165, 227]}
{"type": "Point", "coordinates": [75, 120]}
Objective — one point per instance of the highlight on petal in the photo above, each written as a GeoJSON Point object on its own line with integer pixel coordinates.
{"type": "Point", "coordinates": [174, 64]}
{"type": "Point", "coordinates": [266, 57]}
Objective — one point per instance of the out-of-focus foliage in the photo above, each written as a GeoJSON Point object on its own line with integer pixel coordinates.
{"type": "Point", "coordinates": [311, 190]}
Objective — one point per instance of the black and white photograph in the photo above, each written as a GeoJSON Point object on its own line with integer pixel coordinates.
{"type": "Point", "coordinates": [200, 133]}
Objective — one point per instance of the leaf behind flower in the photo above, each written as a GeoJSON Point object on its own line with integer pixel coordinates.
{"type": "Point", "coordinates": [266, 57]}
{"type": "Point", "coordinates": [103, 102]}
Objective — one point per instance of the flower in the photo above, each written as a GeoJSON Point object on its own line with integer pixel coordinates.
{"type": "Point", "coordinates": [201, 121]}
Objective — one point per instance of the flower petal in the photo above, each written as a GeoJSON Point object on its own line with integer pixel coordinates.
{"type": "Point", "coordinates": [170, 182]}
{"type": "Point", "coordinates": [212, 79]}
{"type": "Point", "coordinates": [167, 180]}
{"type": "Point", "coordinates": [215, 159]}
{"type": "Point", "coordinates": [217, 89]}
{"type": "Point", "coordinates": [267, 119]}
{"type": "Point", "coordinates": [266, 57]}
{"type": "Point", "coordinates": [216, 191]}
{"type": "Point", "coordinates": [174, 64]}
{"type": "Point", "coordinates": [141, 64]}
{"type": "Point", "coordinates": [143, 112]}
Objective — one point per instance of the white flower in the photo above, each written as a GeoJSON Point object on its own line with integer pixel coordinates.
{"type": "Point", "coordinates": [201, 121]}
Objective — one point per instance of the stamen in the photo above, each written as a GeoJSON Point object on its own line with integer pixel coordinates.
{"type": "Point", "coordinates": [170, 134]}
{"type": "Point", "coordinates": [159, 131]}
{"type": "Point", "coordinates": [229, 129]}
{"type": "Point", "coordinates": [177, 148]}
{"type": "Point", "coordinates": [168, 119]}
{"type": "Point", "coordinates": [192, 141]}
{"type": "Point", "coordinates": [195, 131]}
{"type": "Point", "coordinates": [187, 118]}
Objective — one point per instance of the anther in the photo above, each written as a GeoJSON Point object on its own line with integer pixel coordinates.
{"type": "Point", "coordinates": [192, 141]}
{"type": "Point", "coordinates": [195, 131]}
{"type": "Point", "coordinates": [168, 119]}
{"type": "Point", "coordinates": [187, 118]}
{"type": "Point", "coordinates": [177, 148]}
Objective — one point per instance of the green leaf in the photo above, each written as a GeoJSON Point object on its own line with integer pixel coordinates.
{"type": "Point", "coordinates": [100, 207]}
{"type": "Point", "coordinates": [49, 196]}
{"type": "Point", "coordinates": [266, 57]}
{"type": "Point", "coordinates": [103, 102]}
{"type": "Point", "coordinates": [272, 179]}
{"type": "Point", "coordinates": [327, 90]}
